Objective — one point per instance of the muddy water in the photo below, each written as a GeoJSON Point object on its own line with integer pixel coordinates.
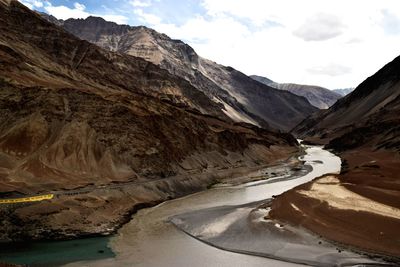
{"type": "Point", "coordinates": [150, 239]}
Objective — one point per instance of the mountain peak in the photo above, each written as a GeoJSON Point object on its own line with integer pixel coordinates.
{"type": "Point", "coordinates": [262, 79]}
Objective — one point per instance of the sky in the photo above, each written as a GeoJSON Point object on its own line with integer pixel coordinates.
{"type": "Point", "coordinates": [330, 43]}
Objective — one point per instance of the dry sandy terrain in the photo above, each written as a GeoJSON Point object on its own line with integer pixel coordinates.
{"type": "Point", "coordinates": [359, 208]}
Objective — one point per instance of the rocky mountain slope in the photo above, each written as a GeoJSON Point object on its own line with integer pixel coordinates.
{"type": "Point", "coordinates": [361, 206]}
{"type": "Point", "coordinates": [369, 113]}
{"type": "Point", "coordinates": [78, 117]}
{"type": "Point", "coordinates": [319, 97]}
{"type": "Point", "coordinates": [240, 97]}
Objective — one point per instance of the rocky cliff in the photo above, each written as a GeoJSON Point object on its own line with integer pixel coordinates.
{"type": "Point", "coordinates": [107, 133]}
{"type": "Point", "coordinates": [242, 99]}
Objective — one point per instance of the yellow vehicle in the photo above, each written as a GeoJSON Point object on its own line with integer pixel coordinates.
{"type": "Point", "coordinates": [26, 199]}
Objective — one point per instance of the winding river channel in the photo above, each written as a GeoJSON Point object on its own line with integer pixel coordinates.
{"type": "Point", "coordinates": [209, 228]}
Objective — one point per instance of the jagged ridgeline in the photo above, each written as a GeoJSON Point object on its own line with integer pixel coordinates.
{"type": "Point", "coordinates": [238, 96]}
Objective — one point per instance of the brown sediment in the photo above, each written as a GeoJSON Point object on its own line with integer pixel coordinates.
{"type": "Point", "coordinates": [359, 208]}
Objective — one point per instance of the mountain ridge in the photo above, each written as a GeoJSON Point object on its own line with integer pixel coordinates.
{"type": "Point", "coordinates": [318, 96]}
{"type": "Point", "coordinates": [344, 91]}
{"type": "Point", "coordinates": [372, 97]}
{"type": "Point", "coordinates": [243, 100]}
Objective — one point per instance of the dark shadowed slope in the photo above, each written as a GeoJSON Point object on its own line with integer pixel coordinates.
{"type": "Point", "coordinates": [371, 111]}
{"type": "Point", "coordinates": [319, 97]}
{"type": "Point", "coordinates": [74, 115]}
{"type": "Point", "coordinates": [241, 98]}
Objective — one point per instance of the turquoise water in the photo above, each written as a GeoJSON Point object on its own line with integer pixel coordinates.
{"type": "Point", "coordinates": [55, 253]}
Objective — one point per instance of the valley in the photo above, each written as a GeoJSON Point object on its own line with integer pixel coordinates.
{"type": "Point", "coordinates": [153, 236]}
{"type": "Point", "coordinates": [121, 146]}
{"type": "Point", "coordinates": [94, 118]}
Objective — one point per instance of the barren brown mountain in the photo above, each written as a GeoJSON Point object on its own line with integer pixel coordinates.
{"type": "Point", "coordinates": [240, 97]}
{"type": "Point", "coordinates": [107, 133]}
{"type": "Point", "coordinates": [361, 206]}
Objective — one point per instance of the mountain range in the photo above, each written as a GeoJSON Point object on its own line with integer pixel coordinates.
{"type": "Point", "coordinates": [344, 91]}
{"type": "Point", "coordinates": [239, 97]}
{"type": "Point", "coordinates": [319, 97]}
{"type": "Point", "coordinates": [77, 117]}
{"type": "Point", "coordinates": [112, 118]}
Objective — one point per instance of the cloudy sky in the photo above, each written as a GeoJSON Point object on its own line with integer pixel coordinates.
{"type": "Point", "coordinates": [331, 43]}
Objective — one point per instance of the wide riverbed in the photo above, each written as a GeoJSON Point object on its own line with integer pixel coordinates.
{"type": "Point", "coordinates": [207, 227]}
{"type": "Point", "coordinates": [150, 239]}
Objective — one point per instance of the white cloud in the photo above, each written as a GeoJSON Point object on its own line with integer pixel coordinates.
{"type": "Point", "coordinates": [332, 43]}
{"type": "Point", "coordinates": [390, 22]}
{"type": "Point", "coordinates": [63, 12]}
{"type": "Point", "coordinates": [79, 6]}
{"type": "Point", "coordinates": [138, 3]}
{"type": "Point", "coordinates": [31, 4]}
{"type": "Point", "coordinates": [330, 70]}
{"type": "Point", "coordinates": [79, 12]}
{"type": "Point", "coordinates": [119, 19]}
{"type": "Point", "coordinates": [147, 18]}
{"type": "Point", "coordinates": [320, 27]}
{"type": "Point", "coordinates": [341, 42]}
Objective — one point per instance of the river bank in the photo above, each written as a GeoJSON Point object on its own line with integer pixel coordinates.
{"type": "Point", "coordinates": [150, 239]}
{"type": "Point", "coordinates": [247, 228]}
{"type": "Point", "coordinates": [279, 168]}
{"type": "Point", "coordinates": [228, 223]}
{"type": "Point", "coordinates": [358, 208]}
{"type": "Point", "coordinates": [102, 210]}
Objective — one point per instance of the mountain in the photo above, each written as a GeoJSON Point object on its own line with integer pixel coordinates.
{"type": "Point", "coordinates": [76, 119]}
{"type": "Point", "coordinates": [370, 111]}
{"type": "Point", "coordinates": [319, 97]}
{"type": "Point", "coordinates": [240, 97]}
{"type": "Point", "coordinates": [263, 80]}
{"type": "Point", "coordinates": [344, 91]}
{"type": "Point", "coordinates": [51, 18]}
{"type": "Point", "coordinates": [360, 207]}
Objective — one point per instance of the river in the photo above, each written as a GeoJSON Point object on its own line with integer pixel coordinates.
{"type": "Point", "coordinates": [151, 239]}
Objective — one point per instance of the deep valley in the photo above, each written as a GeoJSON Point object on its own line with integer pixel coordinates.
{"type": "Point", "coordinates": [121, 146]}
